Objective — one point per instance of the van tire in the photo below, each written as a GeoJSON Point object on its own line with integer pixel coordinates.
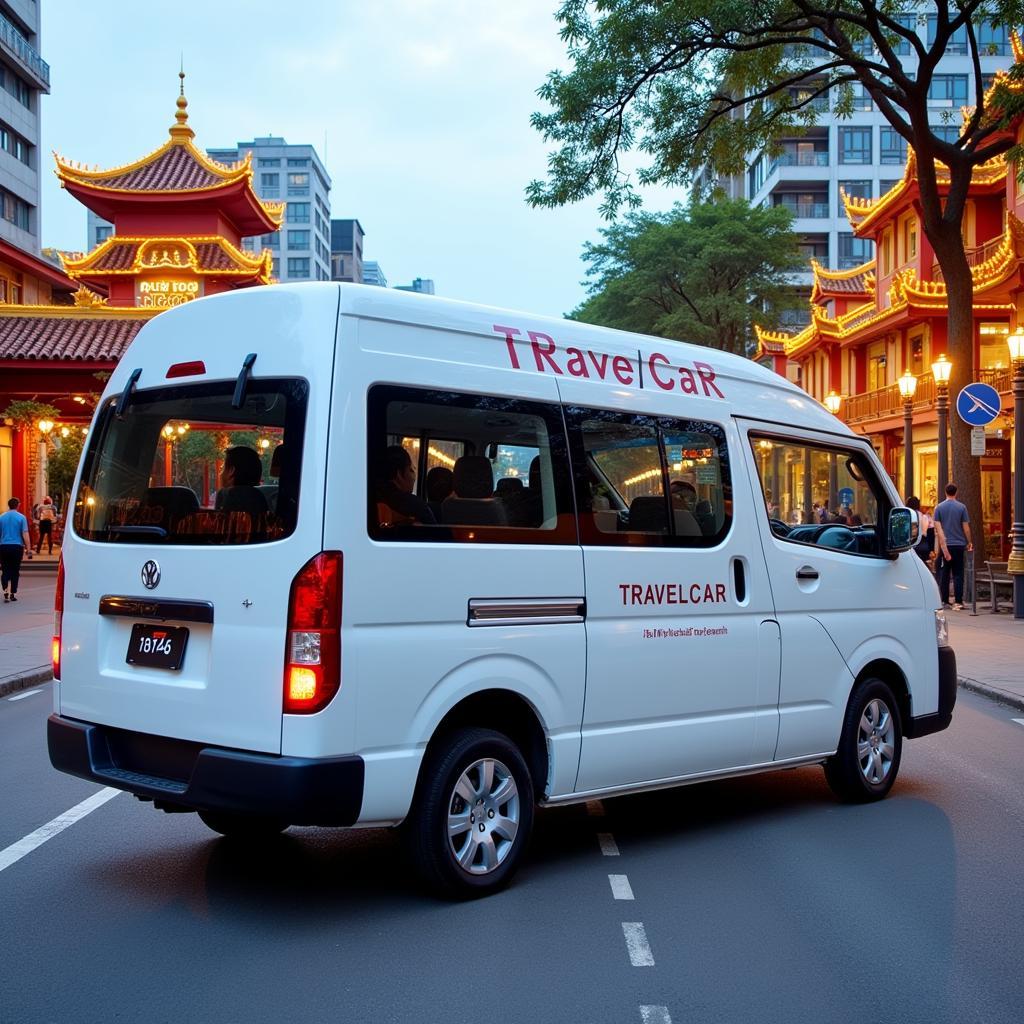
{"type": "Point", "coordinates": [476, 777]}
{"type": "Point", "coordinates": [865, 765]}
{"type": "Point", "coordinates": [242, 826]}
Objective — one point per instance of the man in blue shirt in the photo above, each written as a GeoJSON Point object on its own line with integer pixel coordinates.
{"type": "Point", "coordinates": [951, 515]}
{"type": "Point", "coordinates": [14, 542]}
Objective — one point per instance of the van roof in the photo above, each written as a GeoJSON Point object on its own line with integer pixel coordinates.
{"type": "Point", "coordinates": [543, 344]}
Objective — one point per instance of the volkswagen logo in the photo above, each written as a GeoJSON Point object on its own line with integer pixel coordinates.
{"type": "Point", "coordinates": [150, 574]}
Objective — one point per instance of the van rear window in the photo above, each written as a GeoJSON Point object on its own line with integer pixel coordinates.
{"type": "Point", "coordinates": [181, 466]}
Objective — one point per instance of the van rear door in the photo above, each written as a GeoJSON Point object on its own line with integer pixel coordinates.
{"type": "Point", "coordinates": [186, 535]}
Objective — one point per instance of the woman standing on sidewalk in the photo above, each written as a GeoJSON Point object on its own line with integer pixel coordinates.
{"type": "Point", "coordinates": [14, 542]}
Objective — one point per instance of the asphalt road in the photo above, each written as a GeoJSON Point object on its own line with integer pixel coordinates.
{"type": "Point", "coordinates": [756, 899]}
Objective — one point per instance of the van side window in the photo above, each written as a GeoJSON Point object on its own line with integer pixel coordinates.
{"type": "Point", "coordinates": [821, 495]}
{"type": "Point", "coordinates": [445, 466]}
{"type": "Point", "coordinates": [652, 481]}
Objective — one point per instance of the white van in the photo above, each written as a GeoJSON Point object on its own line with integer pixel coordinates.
{"type": "Point", "coordinates": [348, 556]}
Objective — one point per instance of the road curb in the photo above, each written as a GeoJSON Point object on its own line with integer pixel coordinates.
{"type": "Point", "coordinates": [1014, 700]}
{"type": "Point", "coordinates": [22, 681]}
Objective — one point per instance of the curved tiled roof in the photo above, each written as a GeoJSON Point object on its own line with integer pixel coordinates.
{"type": "Point", "coordinates": [173, 170]}
{"type": "Point", "coordinates": [67, 337]}
{"type": "Point", "coordinates": [205, 254]}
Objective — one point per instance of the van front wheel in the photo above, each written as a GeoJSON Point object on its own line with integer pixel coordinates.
{"type": "Point", "coordinates": [242, 826]}
{"type": "Point", "coordinates": [472, 814]}
{"type": "Point", "coordinates": [865, 765]}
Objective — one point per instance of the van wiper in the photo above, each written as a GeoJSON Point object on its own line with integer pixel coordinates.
{"type": "Point", "coordinates": [122, 402]}
{"type": "Point", "coordinates": [239, 396]}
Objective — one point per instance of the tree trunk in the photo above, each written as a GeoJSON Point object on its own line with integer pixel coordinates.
{"type": "Point", "coordinates": [965, 469]}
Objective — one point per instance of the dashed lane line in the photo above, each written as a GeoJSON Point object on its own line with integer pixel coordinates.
{"type": "Point", "coordinates": [655, 1015]}
{"type": "Point", "coordinates": [637, 946]}
{"type": "Point", "coordinates": [13, 853]}
{"type": "Point", "coordinates": [621, 889]}
{"type": "Point", "coordinates": [24, 694]}
{"type": "Point", "coordinates": [608, 845]}
{"type": "Point", "coordinates": [1019, 721]}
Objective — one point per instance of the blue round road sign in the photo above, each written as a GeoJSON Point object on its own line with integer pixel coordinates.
{"type": "Point", "coordinates": [978, 404]}
{"type": "Point", "coordinates": [846, 496]}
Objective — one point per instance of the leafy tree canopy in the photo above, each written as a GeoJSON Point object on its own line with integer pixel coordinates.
{"type": "Point", "coordinates": [703, 83]}
{"type": "Point", "coordinates": [701, 273]}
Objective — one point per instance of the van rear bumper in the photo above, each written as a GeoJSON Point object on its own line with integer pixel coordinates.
{"type": "Point", "coordinates": [179, 774]}
{"type": "Point", "coordinates": [925, 725]}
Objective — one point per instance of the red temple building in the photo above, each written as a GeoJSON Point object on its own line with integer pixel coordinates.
{"type": "Point", "coordinates": [871, 324]}
{"type": "Point", "coordinates": [179, 219]}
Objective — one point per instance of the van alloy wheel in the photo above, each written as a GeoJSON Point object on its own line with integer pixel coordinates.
{"type": "Point", "coordinates": [472, 812]}
{"type": "Point", "coordinates": [875, 743]}
{"type": "Point", "coordinates": [483, 816]}
{"type": "Point", "coordinates": [867, 759]}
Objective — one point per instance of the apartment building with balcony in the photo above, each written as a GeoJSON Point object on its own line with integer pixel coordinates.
{"type": "Point", "coordinates": [24, 80]}
{"type": "Point", "coordinates": [860, 154]}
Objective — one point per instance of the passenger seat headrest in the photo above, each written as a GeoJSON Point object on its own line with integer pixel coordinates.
{"type": "Point", "coordinates": [473, 477]}
{"type": "Point", "coordinates": [439, 483]}
{"type": "Point", "coordinates": [509, 487]}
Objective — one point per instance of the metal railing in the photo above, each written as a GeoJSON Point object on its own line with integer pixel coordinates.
{"type": "Point", "coordinates": [813, 210]}
{"type": "Point", "coordinates": [976, 255]}
{"type": "Point", "coordinates": [887, 401]}
{"type": "Point", "coordinates": [795, 158]}
{"type": "Point", "coordinates": [24, 50]}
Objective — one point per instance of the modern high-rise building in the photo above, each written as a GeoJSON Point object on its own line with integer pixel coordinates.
{"type": "Point", "coordinates": [859, 154]}
{"type": "Point", "coordinates": [295, 175]}
{"type": "Point", "coordinates": [347, 250]}
{"type": "Point", "coordinates": [25, 78]}
{"type": "Point", "coordinates": [372, 274]}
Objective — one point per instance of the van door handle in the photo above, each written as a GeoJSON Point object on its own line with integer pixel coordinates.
{"type": "Point", "coordinates": [807, 572]}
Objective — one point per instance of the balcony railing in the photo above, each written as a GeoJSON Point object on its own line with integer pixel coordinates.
{"type": "Point", "coordinates": [887, 401]}
{"type": "Point", "coordinates": [794, 158]}
{"type": "Point", "coordinates": [975, 256]}
{"type": "Point", "coordinates": [24, 50]}
{"type": "Point", "coordinates": [814, 210]}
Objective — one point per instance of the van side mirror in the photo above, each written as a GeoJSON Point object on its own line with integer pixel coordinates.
{"type": "Point", "coordinates": [904, 527]}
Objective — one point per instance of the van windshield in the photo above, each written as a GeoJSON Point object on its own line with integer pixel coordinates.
{"type": "Point", "coordinates": [181, 466]}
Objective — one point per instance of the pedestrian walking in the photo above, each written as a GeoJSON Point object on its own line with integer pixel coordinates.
{"type": "Point", "coordinates": [14, 542]}
{"type": "Point", "coordinates": [952, 516]}
{"type": "Point", "coordinates": [46, 520]}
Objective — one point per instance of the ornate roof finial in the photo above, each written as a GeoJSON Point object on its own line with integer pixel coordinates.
{"type": "Point", "coordinates": [180, 131]}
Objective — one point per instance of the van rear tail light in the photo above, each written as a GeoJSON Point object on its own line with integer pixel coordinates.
{"type": "Point", "coordinates": [58, 615]}
{"type": "Point", "coordinates": [312, 669]}
{"type": "Point", "coordinates": [192, 369]}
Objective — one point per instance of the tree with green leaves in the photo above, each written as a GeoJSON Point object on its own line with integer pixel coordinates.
{"type": "Point", "coordinates": [701, 273]}
{"type": "Point", "coordinates": [695, 84]}
{"type": "Point", "coordinates": [61, 466]}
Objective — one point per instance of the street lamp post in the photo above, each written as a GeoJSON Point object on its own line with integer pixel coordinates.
{"type": "Point", "coordinates": [908, 386]}
{"type": "Point", "coordinates": [941, 370]}
{"type": "Point", "coordinates": [1016, 566]}
{"type": "Point", "coordinates": [833, 401]}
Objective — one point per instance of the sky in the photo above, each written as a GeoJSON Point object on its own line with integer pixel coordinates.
{"type": "Point", "coordinates": [419, 109]}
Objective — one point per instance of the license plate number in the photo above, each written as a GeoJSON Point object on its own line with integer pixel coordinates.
{"type": "Point", "coordinates": [157, 646]}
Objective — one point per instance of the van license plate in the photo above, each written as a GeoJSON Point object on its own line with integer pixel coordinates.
{"type": "Point", "coordinates": [157, 646]}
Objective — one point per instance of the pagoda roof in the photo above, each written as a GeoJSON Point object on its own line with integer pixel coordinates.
{"type": "Point", "coordinates": [204, 255]}
{"type": "Point", "coordinates": [89, 331]}
{"type": "Point", "coordinates": [865, 214]}
{"type": "Point", "coordinates": [174, 172]}
{"type": "Point", "coordinates": [828, 284]}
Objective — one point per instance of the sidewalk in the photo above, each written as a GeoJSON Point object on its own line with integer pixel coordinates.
{"type": "Point", "coordinates": [989, 655]}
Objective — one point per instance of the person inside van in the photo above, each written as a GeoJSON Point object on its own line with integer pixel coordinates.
{"type": "Point", "coordinates": [439, 486]}
{"type": "Point", "coordinates": [395, 482]}
{"type": "Point", "coordinates": [239, 480]}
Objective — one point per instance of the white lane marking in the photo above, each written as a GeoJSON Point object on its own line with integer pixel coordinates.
{"type": "Point", "coordinates": [655, 1015]}
{"type": "Point", "coordinates": [595, 808]}
{"type": "Point", "coordinates": [640, 954]}
{"type": "Point", "coordinates": [1019, 721]}
{"type": "Point", "coordinates": [17, 850]}
{"type": "Point", "coordinates": [24, 694]}
{"type": "Point", "coordinates": [621, 889]}
{"type": "Point", "coordinates": [608, 845]}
